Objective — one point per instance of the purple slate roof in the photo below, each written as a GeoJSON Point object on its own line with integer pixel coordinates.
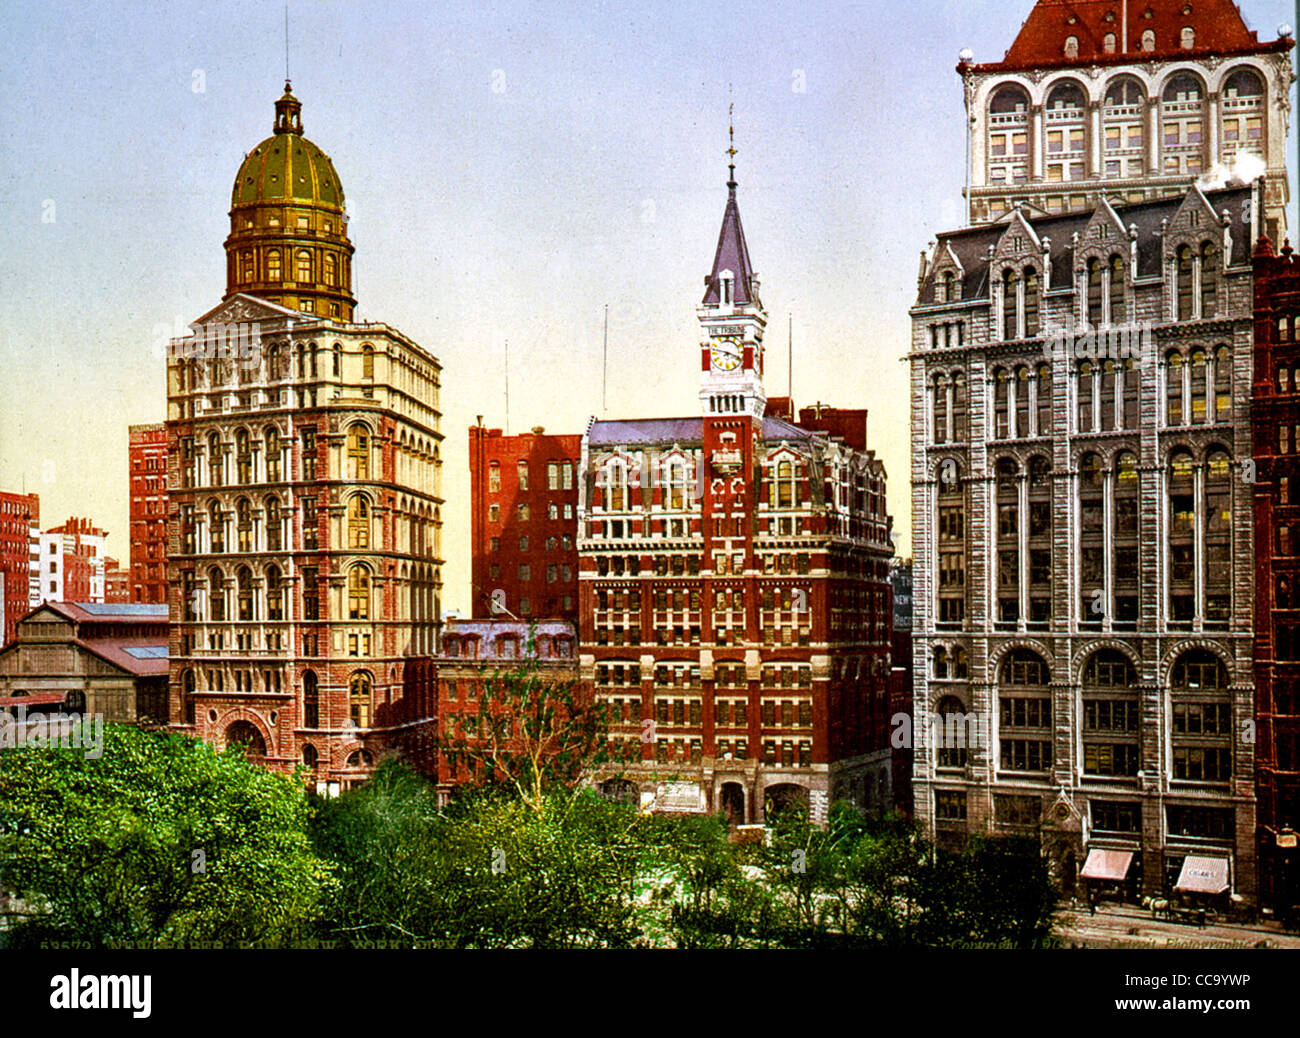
{"type": "Point", "coordinates": [732, 255]}
{"type": "Point", "coordinates": [678, 430]}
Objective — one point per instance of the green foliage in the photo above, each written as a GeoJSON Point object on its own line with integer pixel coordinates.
{"type": "Point", "coordinates": [529, 733]}
{"type": "Point", "coordinates": [159, 841]}
{"type": "Point", "coordinates": [489, 872]}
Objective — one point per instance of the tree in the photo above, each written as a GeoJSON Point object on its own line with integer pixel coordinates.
{"type": "Point", "coordinates": [160, 840]}
{"type": "Point", "coordinates": [529, 732]}
{"type": "Point", "coordinates": [487, 872]}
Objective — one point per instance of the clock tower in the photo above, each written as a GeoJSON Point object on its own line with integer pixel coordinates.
{"type": "Point", "coordinates": [731, 323]}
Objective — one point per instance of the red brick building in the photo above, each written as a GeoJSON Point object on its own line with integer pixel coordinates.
{"type": "Point", "coordinates": [523, 523]}
{"type": "Point", "coordinates": [304, 494]}
{"type": "Point", "coordinates": [734, 589]}
{"type": "Point", "coordinates": [1275, 417]}
{"type": "Point", "coordinates": [20, 516]}
{"type": "Point", "coordinates": [117, 582]}
{"type": "Point", "coordinates": [148, 474]}
{"type": "Point", "coordinates": [474, 651]}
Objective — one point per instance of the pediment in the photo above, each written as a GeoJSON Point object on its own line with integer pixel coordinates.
{"type": "Point", "coordinates": [246, 309]}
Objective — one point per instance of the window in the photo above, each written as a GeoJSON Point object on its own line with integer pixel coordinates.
{"type": "Point", "coordinates": [274, 594]}
{"type": "Point", "coordinates": [360, 700]}
{"type": "Point", "coordinates": [359, 593]}
{"type": "Point", "coordinates": [359, 452]}
{"type": "Point", "coordinates": [308, 454]}
{"type": "Point", "coordinates": [273, 265]}
{"type": "Point", "coordinates": [358, 522]}
{"type": "Point", "coordinates": [304, 265]}
{"type": "Point", "coordinates": [523, 475]}
{"type": "Point", "coordinates": [494, 476]}
{"type": "Point", "coordinates": [367, 361]}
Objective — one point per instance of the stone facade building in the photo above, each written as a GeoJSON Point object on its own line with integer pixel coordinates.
{"type": "Point", "coordinates": [304, 487]}
{"type": "Point", "coordinates": [1084, 560]}
{"type": "Point", "coordinates": [1130, 102]}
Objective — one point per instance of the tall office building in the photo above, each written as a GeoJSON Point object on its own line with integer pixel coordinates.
{"type": "Point", "coordinates": [305, 508]}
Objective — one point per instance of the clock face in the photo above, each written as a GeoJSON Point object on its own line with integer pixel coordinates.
{"type": "Point", "coordinates": [725, 354]}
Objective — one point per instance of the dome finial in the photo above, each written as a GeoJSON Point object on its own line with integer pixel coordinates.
{"type": "Point", "coordinates": [288, 112]}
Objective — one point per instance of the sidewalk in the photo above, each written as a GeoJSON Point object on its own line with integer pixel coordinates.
{"type": "Point", "coordinates": [1128, 926]}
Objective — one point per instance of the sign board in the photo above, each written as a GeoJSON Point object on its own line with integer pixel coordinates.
{"type": "Point", "coordinates": [679, 796]}
{"type": "Point", "coordinates": [1286, 840]}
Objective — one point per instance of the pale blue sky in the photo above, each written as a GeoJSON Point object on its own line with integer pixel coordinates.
{"type": "Point", "coordinates": [596, 176]}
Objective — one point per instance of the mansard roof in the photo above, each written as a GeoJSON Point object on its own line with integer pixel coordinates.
{"type": "Point", "coordinates": [1217, 24]}
{"type": "Point", "coordinates": [972, 246]}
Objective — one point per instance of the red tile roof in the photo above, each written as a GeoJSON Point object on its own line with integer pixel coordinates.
{"type": "Point", "coordinates": [1218, 26]}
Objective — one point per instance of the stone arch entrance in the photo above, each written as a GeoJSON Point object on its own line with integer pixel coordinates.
{"type": "Point", "coordinates": [620, 790]}
{"type": "Point", "coordinates": [731, 802]}
{"type": "Point", "coordinates": [783, 796]}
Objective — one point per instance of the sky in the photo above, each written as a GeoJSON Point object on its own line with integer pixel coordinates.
{"type": "Point", "coordinates": [510, 169]}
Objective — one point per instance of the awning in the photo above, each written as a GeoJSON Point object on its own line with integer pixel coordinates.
{"type": "Point", "coordinates": [1109, 865]}
{"type": "Point", "coordinates": [1203, 875]}
{"type": "Point", "coordinates": [35, 699]}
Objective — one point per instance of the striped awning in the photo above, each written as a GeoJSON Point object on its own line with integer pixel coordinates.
{"type": "Point", "coordinates": [1203, 875]}
{"type": "Point", "coordinates": [1110, 865]}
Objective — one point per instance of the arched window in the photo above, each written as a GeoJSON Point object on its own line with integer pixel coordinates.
{"type": "Point", "coordinates": [1040, 540]}
{"type": "Point", "coordinates": [245, 734]}
{"type": "Point", "coordinates": [1124, 537]}
{"type": "Point", "coordinates": [959, 407]}
{"type": "Point", "coordinates": [1201, 716]}
{"type": "Point", "coordinates": [1094, 292]}
{"type": "Point", "coordinates": [951, 545]}
{"type": "Point", "coordinates": [1043, 391]}
{"type": "Point", "coordinates": [616, 485]}
{"type": "Point", "coordinates": [1008, 143]}
{"type": "Point", "coordinates": [1110, 715]}
{"type": "Point", "coordinates": [331, 272]}
{"type": "Point", "coordinates": [216, 528]}
{"type": "Point", "coordinates": [1092, 540]}
{"type": "Point", "coordinates": [358, 452]}
{"type": "Point", "coordinates": [1198, 373]}
{"type": "Point", "coordinates": [940, 662]}
{"type": "Point", "coordinates": [1108, 43]}
{"type": "Point", "coordinates": [304, 265]}
{"type": "Point", "coordinates": [1031, 302]}
{"type": "Point", "coordinates": [243, 457]}
{"type": "Point", "coordinates": [310, 700]}
{"type": "Point", "coordinates": [1071, 47]}
{"type": "Point", "coordinates": [244, 589]}
{"type": "Point", "coordinates": [1123, 128]}
{"type": "Point", "coordinates": [1242, 107]}
{"type": "Point", "coordinates": [1022, 401]}
{"type": "Point", "coordinates": [338, 361]}
{"type": "Point", "coordinates": [940, 408]}
{"type": "Point", "coordinates": [360, 699]}
{"type": "Point", "coordinates": [274, 524]}
{"type": "Point", "coordinates": [1187, 38]}
{"type": "Point", "coordinates": [1065, 133]}
{"type": "Point", "coordinates": [955, 736]}
{"type": "Point", "coordinates": [271, 440]}
{"type": "Point", "coordinates": [216, 460]}
{"type": "Point", "coordinates": [1182, 116]}
{"type": "Point", "coordinates": [1222, 384]}
{"type": "Point", "coordinates": [1148, 41]}
{"type": "Point", "coordinates": [274, 594]}
{"type": "Point", "coordinates": [310, 757]}
{"type": "Point", "coordinates": [1182, 537]}
{"type": "Point", "coordinates": [216, 595]}
{"type": "Point", "coordinates": [358, 521]}
{"type": "Point", "coordinates": [1010, 311]}
{"type": "Point", "coordinates": [1116, 290]}
{"type": "Point", "coordinates": [1218, 537]}
{"type": "Point", "coordinates": [1087, 395]}
{"type": "Point", "coordinates": [246, 265]}
{"type": "Point", "coordinates": [1008, 540]}
{"type": "Point", "coordinates": [1209, 281]}
{"type": "Point", "coordinates": [1024, 713]}
{"type": "Point", "coordinates": [244, 524]}
{"type": "Point", "coordinates": [359, 593]}
{"type": "Point", "coordinates": [1110, 381]}
{"type": "Point", "coordinates": [367, 361]}
{"type": "Point", "coordinates": [1001, 394]}
{"type": "Point", "coordinates": [1175, 411]}
{"type": "Point", "coordinates": [273, 272]}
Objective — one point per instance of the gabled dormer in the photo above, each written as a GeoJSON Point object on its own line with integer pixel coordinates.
{"type": "Point", "coordinates": [1194, 248]}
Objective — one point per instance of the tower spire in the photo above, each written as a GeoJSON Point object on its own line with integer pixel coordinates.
{"type": "Point", "coordinates": [731, 146]}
